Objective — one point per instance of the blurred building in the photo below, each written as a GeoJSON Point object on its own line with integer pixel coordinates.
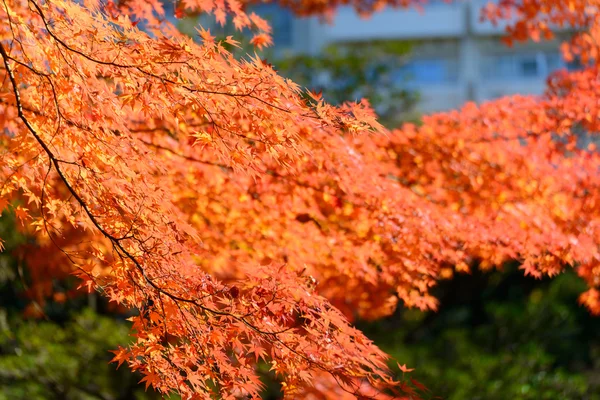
{"type": "Point", "coordinates": [456, 57]}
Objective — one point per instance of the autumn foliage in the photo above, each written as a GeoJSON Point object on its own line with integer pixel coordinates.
{"type": "Point", "coordinates": [247, 224]}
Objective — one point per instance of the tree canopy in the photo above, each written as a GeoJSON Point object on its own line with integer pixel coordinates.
{"type": "Point", "coordinates": [248, 223]}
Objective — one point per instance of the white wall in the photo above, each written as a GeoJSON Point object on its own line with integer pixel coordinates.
{"type": "Point", "coordinates": [439, 20]}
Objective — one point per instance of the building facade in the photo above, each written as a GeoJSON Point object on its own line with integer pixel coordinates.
{"type": "Point", "coordinates": [456, 56]}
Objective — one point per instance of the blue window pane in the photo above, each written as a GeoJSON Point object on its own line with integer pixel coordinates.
{"type": "Point", "coordinates": [528, 67]}
{"type": "Point", "coordinates": [427, 71]}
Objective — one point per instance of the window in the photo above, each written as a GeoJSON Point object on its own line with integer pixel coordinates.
{"type": "Point", "coordinates": [528, 67]}
{"type": "Point", "coordinates": [521, 65]}
{"type": "Point", "coordinates": [430, 71]}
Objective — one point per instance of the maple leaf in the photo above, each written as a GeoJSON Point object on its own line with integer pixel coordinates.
{"type": "Point", "coordinates": [150, 378]}
{"type": "Point", "coordinates": [260, 23]}
{"type": "Point", "coordinates": [403, 368]}
{"type": "Point", "coordinates": [121, 356]}
{"type": "Point", "coordinates": [261, 40]}
{"type": "Point", "coordinates": [229, 40]}
{"type": "Point", "coordinates": [22, 214]}
{"type": "Point", "coordinates": [316, 96]}
{"type": "Point", "coordinates": [258, 351]}
{"type": "Point", "coordinates": [205, 35]}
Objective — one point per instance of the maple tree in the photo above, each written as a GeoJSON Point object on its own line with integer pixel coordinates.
{"type": "Point", "coordinates": [246, 223]}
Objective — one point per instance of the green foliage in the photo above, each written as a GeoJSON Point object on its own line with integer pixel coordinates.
{"type": "Point", "coordinates": [46, 360]}
{"type": "Point", "coordinates": [64, 356]}
{"type": "Point", "coordinates": [500, 336]}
